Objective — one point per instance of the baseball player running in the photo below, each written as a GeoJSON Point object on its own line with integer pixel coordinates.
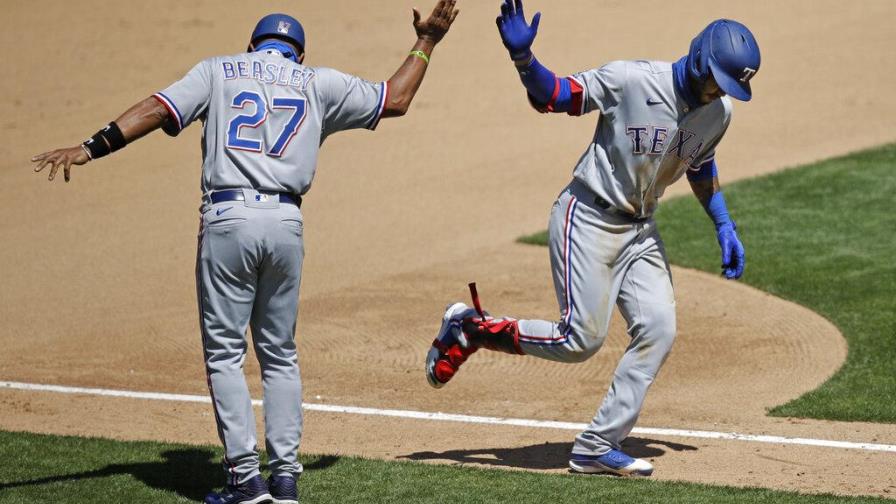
{"type": "Point", "coordinates": [657, 122]}
{"type": "Point", "coordinates": [265, 115]}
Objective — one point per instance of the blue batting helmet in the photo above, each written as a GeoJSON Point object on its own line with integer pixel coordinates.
{"type": "Point", "coordinates": [279, 26]}
{"type": "Point", "coordinates": [729, 51]}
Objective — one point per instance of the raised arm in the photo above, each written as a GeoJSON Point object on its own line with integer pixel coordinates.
{"type": "Point", "coordinates": [705, 185]}
{"type": "Point", "coordinates": [406, 81]}
{"type": "Point", "coordinates": [546, 92]}
{"type": "Point", "coordinates": [136, 122]}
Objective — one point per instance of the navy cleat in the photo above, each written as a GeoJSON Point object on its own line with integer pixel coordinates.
{"type": "Point", "coordinates": [253, 491]}
{"type": "Point", "coordinates": [613, 462]}
{"type": "Point", "coordinates": [283, 489]}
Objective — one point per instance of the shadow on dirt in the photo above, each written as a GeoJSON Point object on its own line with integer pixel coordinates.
{"type": "Point", "coordinates": [544, 456]}
{"type": "Point", "coordinates": [189, 472]}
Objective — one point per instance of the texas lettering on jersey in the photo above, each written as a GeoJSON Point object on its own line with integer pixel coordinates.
{"type": "Point", "coordinates": [654, 136]}
{"type": "Point", "coordinates": [651, 141]}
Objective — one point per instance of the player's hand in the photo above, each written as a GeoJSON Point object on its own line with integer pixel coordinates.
{"type": "Point", "coordinates": [733, 258]}
{"type": "Point", "coordinates": [60, 157]}
{"type": "Point", "coordinates": [438, 23]}
{"type": "Point", "coordinates": [516, 34]}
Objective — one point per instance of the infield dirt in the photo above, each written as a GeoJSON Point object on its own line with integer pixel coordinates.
{"type": "Point", "coordinates": [98, 274]}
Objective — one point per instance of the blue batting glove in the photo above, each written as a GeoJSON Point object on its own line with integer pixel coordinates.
{"type": "Point", "coordinates": [733, 258]}
{"type": "Point", "coordinates": [516, 34]}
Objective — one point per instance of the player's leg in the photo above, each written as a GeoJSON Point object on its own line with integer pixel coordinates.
{"type": "Point", "coordinates": [273, 332]}
{"type": "Point", "coordinates": [584, 247]}
{"type": "Point", "coordinates": [226, 278]}
{"type": "Point", "coordinates": [585, 244]}
{"type": "Point", "coordinates": [647, 303]}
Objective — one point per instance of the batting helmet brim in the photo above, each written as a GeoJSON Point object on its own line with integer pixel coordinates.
{"type": "Point", "coordinates": [736, 88]}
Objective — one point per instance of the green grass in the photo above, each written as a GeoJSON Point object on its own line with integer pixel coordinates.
{"type": "Point", "coordinates": [823, 236]}
{"type": "Point", "coordinates": [820, 235]}
{"type": "Point", "coordinates": [42, 468]}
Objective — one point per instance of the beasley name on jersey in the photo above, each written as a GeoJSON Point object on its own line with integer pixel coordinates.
{"type": "Point", "coordinates": [268, 73]}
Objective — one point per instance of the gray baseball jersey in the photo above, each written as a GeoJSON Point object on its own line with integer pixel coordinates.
{"type": "Point", "coordinates": [265, 118]}
{"type": "Point", "coordinates": [646, 136]}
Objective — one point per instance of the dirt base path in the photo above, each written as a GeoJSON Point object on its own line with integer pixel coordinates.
{"type": "Point", "coordinates": [97, 275]}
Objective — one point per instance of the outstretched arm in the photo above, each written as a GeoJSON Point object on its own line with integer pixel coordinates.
{"type": "Point", "coordinates": [406, 81]}
{"type": "Point", "coordinates": [136, 122]}
{"type": "Point", "coordinates": [705, 185]}
{"type": "Point", "coordinates": [546, 92]}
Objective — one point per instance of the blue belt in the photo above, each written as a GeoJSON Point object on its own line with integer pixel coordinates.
{"type": "Point", "coordinates": [237, 195]}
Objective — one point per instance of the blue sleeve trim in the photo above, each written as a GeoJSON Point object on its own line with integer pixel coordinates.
{"type": "Point", "coordinates": [546, 92]}
{"type": "Point", "coordinates": [563, 101]}
{"type": "Point", "coordinates": [707, 170]}
{"type": "Point", "coordinates": [178, 116]}
{"type": "Point", "coordinates": [381, 107]}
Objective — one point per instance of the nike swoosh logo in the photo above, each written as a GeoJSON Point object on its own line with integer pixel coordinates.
{"type": "Point", "coordinates": [651, 101]}
{"type": "Point", "coordinates": [222, 210]}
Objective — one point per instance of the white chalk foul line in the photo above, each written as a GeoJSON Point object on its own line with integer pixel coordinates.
{"type": "Point", "coordinates": [448, 417]}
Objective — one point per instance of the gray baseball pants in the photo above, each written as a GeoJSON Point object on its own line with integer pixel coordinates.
{"type": "Point", "coordinates": [248, 271]}
{"type": "Point", "coordinates": [599, 259]}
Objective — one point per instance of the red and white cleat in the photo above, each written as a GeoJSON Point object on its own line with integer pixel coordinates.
{"type": "Point", "coordinates": [450, 349]}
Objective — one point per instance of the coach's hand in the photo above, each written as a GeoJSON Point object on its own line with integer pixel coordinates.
{"type": "Point", "coordinates": [516, 34]}
{"type": "Point", "coordinates": [61, 157]}
{"type": "Point", "coordinates": [733, 258]}
{"type": "Point", "coordinates": [438, 23]}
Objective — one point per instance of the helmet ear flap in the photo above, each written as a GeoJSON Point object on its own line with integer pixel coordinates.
{"type": "Point", "coordinates": [700, 53]}
{"type": "Point", "coordinates": [696, 61]}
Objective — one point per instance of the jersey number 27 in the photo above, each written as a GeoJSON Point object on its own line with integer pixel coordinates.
{"type": "Point", "coordinates": [257, 118]}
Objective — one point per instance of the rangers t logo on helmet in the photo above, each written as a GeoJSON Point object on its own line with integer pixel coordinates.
{"type": "Point", "coordinates": [728, 51]}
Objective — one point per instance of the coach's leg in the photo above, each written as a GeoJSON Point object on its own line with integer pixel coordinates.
{"type": "Point", "coordinates": [225, 280]}
{"type": "Point", "coordinates": [647, 302]}
{"type": "Point", "coordinates": [273, 332]}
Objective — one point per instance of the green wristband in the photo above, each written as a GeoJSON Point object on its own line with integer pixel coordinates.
{"type": "Point", "coordinates": [420, 54]}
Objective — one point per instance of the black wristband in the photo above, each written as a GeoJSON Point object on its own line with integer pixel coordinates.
{"type": "Point", "coordinates": [114, 137]}
{"type": "Point", "coordinates": [97, 146]}
{"type": "Point", "coordinates": [105, 141]}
